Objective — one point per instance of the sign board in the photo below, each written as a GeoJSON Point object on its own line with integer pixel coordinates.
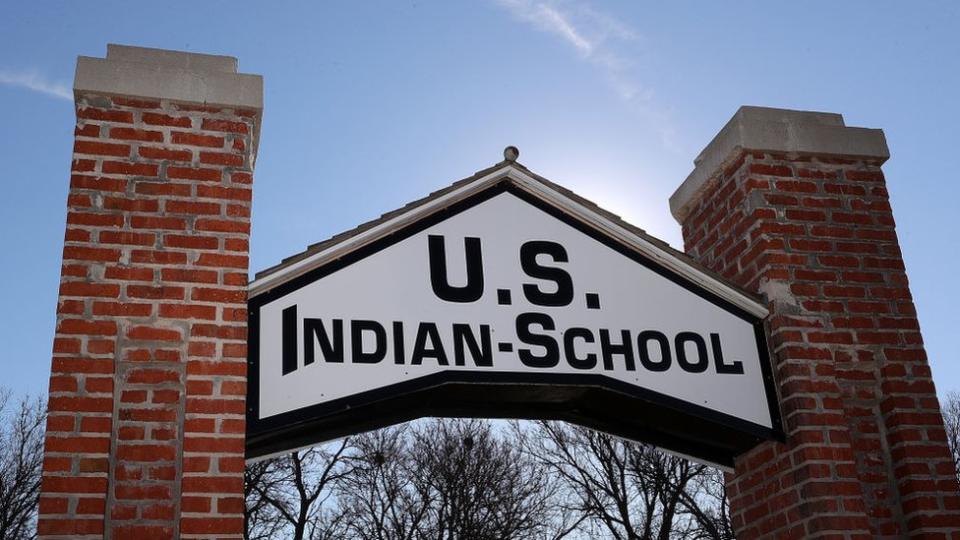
{"type": "Point", "coordinates": [503, 305]}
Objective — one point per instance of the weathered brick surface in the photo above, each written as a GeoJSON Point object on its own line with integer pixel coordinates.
{"type": "Point", "coordinates": [146, 431]}
{"type": "Point", "coordinates": [865, 455]}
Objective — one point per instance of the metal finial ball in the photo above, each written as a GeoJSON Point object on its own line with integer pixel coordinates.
{"type": "Point", "coordinates": [511, 153]}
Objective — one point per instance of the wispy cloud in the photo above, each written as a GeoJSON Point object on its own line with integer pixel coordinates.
{"type": "Point", "coordinates": [33, 80]}
{"type": "Point", "coordinates": [595, 36]}
{"type": "Point", "coordinates": [551, 20]}
{"type": "Point", "coordinates": [603, 41]}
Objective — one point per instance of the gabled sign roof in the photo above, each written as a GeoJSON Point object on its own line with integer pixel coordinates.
{"type": "Point", "coordinates": [518, 175]}
{"type": "Point", "coordinates": [506, 295]}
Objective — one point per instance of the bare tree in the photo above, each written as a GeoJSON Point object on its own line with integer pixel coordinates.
{"type": "Point", "coordinates": [290, 493]}
{"type": "Point", "coordinates": [446, 480]}
{"type": "Point", "coordinates": [951, 421]}
{"type": "Point", "coordinates": [626, 490]}
{"type": "Point", "coordinates": [481, 485]}
{"type": "Point", "coordinates": [705, 501]}
{"type": "Point", "coordinates": [380, 499]}
{"type": "Point", "coordinates": [470, 479]}
{"type": "Point", "coordinates": [262, 521]}
{"type": "Point", "coordinates": [21, 462]}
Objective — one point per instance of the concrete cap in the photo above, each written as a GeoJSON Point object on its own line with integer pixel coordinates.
{"type": "Point", "coordinates": [781, 131]}
{"type": "Point", "coordinates": [140, 72]}
{"type": "Point", "coordinates": [174, 59]}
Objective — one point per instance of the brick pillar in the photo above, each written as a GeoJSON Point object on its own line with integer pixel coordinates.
{"type": "Point", "coordinates": [794, 205]}
{"type": "Point", "coordinates": [145, 437]}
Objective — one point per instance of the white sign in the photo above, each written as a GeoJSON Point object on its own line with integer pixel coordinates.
{"type": "Point", "coordinates": [505, 287]}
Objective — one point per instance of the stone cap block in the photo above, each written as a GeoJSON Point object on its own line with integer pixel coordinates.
{"type": "Point", "coordinates": [139, 72]}
{"type": "Point", "coordinates": [780, 131]}
{"type": "Point", "coordinates": [174, 59]}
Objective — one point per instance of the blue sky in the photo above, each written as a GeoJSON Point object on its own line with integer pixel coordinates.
{"type": "Point", "coordinates": [370, 105]}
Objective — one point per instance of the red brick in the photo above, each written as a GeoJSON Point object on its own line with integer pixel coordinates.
{"type": "Point", "coordinates": [146, 452]}
{"type": "Point", "coordinates": [223, 261]}
{"type": "Point", "coordinates": [89, 130]}
{"type": "Point", "coordinates": [222, 225]}
{"type": "Point", "coordinates": [192, 208]}
{"type": "Point", "coordinates": [864, 176]}
{"type": "Point", "coordinates": [78, 181]}
{"type": "Point", "coordinates": [191, 242]}
{"type": "Point", "coordinates": [770, 170]}
{"type": "Point", "coordinates": [194, 504]}
{"type": "Point", "coordinates": [241, 177]}
{"type": "Point", "coordinates": [69, 526]}
{"type": "Point", "coordinates": [194, 139]}
{"type": "Point", "coordinates": [142, 492]}
{"type": "Point", "coordinates": [198, 173]}
{"type": "Point", "coordinates": [221, 158]}
{"type": "Point", "coordinates": [215, 445]}
{"type": "Point", "coordinates": [90, 328]}
{"type": "Point", "coordinates": [218, 192]}
{"type": "Point", "coordinates": [152, 152]}
{"type": "Point", "coordinates": [237, 210]}
{"type": "Point", "coordinates": [85, 289]}
{"type": "Point", "coordinates": [130, 205]}
{"type": "Point", "coordinates": [101, 148]}
{"type": "Point", "coordinates": [189, 276]}
{"type": "Point", "coordinates": [127, 238]}
{"type": "Point", "coordinates": [211, 124]}
{"type": "Point", "coordinates": [213, 484]}
{"type": "Point", "coordinates": [82, 365]}
{"type": "Point", "coordinates": [162, 292]}
{"type": "Point", "coordinates": [63, 384]}
{"type": "Point", "coordinates": [158, 119]}
{"type": "Point", "coordinates": [123, 167]}
{"type": "Point", "coordinates": [212, 525]}
{"type": "Point", "coordinates": [158, 257]}
{"type": "Point", "coordinates": [186, 311]}
{"type": "Point", "coordinates": [150, 222]}
{"type": "Point", "coordinates": [154, 188]}
{"type": "Point", "coordinates": [135, 134]}
{"type": "Point", "coordinates": [795, 186]}
{"type": "Point", "coordinates": [83, 165]}
{"type": "Point", "coordinates": [107, 115]}
{"type": "Point", "coordinates": [215, 406]}
{"type": "Point", "coordinates": [94, 220]}
{"type": "Point", "coordinates": [136, 103]}
{"type": "Point", "coordinates": [128, 274]}
{"type": "Point", "coordinates": [219, 295]}
{"type": "Point", "coordinates": [852, 247]}
{"type": "Point", "coordinates": [94, 385]}
{"type": "Point", "coordinates": [153, 334]}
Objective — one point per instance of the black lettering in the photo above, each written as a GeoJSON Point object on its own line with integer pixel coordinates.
{"type": "Point", "coordinates": [733, 368]}
{"type": "Point", "coordinates": [551, 355]}
{"type": "Point", "coordinates": [643, 350]}
{"type": "Point", "coordinates": [482, 352]}
{"type": "Point", "coordinates": [587, 362]}
{"type": "Point", "coordinates": [624, 348]}
{"type": "Point", "coordinates": [434, 349]}
{"type": "Point", "coordinates": [357, 329]}
{"type": "Point", "coordinates": [680, 342]}
{"type": "Point", "coordinates": [473, 290]}
{"type": "Point", "coordinates": [528, 261]}
{"type": "Point", "coordinates": [288, 339]}
{"type": "Point", "coordinates": [397, 342]}
{"type": "Point", "coordinates": [313, 329]}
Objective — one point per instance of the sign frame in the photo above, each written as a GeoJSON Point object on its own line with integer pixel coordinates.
{"type": "Point", "coordinates": [589, 399]}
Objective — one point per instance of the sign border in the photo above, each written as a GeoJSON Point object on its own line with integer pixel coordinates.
{"type": "Point", "coordinates": [304, 424]}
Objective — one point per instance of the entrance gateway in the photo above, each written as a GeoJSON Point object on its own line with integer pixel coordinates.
{"type": "Point", "coordinates": [501, 295]}
{"type": "Point", "coordinates": [506, 295]}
